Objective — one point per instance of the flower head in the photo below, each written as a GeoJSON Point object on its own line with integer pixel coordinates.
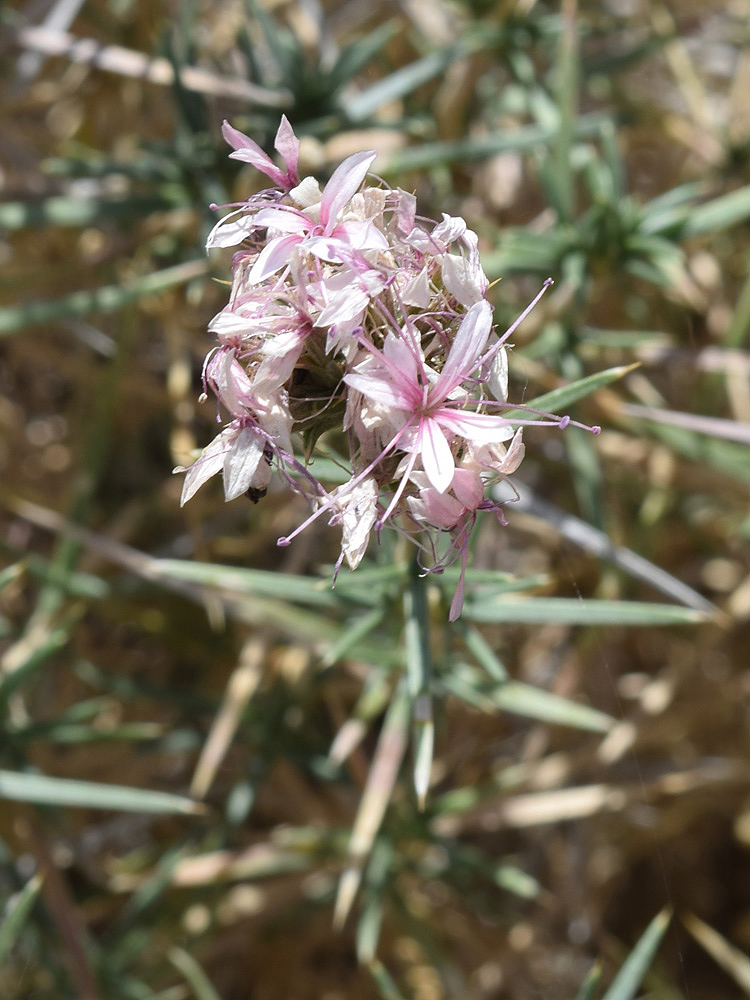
{"type": "Point", "coordinates": [348, 318]}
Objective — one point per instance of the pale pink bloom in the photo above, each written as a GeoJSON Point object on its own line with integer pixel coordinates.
{"type": "Point", "coordinates": [247, 401]}
{"type": "Point", "coordinates": [286, 143]}
{"type": "Point", "coordinates": [495, 459]}
{"type": "Point", "coordinates": [447, 509]}
{"type": "Point", "coordinates": [462, 273]}
{"type": "Point", "coordinates": [240, 453]}
{"type": "Point", "coordinates": [231, 230]}
{"type": "Point", "coordinates": [417, 291]}
{"type": "Point", "coordinates": [340, 297]}
{"type": "Point", "coordinates": [421, 404]}
{"type": "Point", "coordinates": [360, 512]}
{"type": "Point", "coordinates": [280, 356]}
{"type": "Point", "coordinates": [320, 229]}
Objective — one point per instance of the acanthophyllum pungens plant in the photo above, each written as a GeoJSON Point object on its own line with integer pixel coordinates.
{"type": "Point", "coordinates": [360, 331]}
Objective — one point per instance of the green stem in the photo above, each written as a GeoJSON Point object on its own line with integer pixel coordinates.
{"type": "Point", "coordinates": [419, 675]}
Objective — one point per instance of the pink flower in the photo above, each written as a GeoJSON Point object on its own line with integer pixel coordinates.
{"type": "Point", "coordinates": [420, 404]}
{"type": "Point", "coordinates": [347, 315]}
{"type": "Point", "coordinates": [243, 456]}
{"type": "Point", "coordinates": [286, 143]}
{"type": "Point", "coordinates": [320, 228]}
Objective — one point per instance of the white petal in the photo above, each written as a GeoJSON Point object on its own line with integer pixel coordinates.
{"type": "Point", "coordinates": [416, 291]}
{"type": "Point", "coordinates": [463, 278]}
{"type": "Point", "coordinates": [359, 518]}
{"type": "Point", "coordinates": [231, 230]}
{"type": "Point", "coordinates": [437, 459]}
{"type": "Point", "coordinates": [497, 382]}
{"type": "Point", "coordinates": [209, 463]}
{"type": "Point", "coordinates": [241, 462]}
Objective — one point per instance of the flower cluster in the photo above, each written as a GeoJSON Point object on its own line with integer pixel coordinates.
{"type": "Point", "coordinates": [350, 315]}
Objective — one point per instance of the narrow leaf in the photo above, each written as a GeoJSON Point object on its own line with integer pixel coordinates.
{"type": "Point", "coordinates": [577, 611]}
{"type": "Point", "coordinates": [535, 703]}
{"type": "Point", "coordinates": [526, 137]}
{"type": "Point", "coordinates": [589, 989]}
{"type": "Point", "coordinates": [628, 979]}
{"type": "Point", "coordinates": [566, 395]}
{"type": "Point", "coordinates": [263, 583]}
{"type": "Point", "coordinates": [17, 912]}
{"type": "Point", "coordinates": [108, 298]}
{"type": "Point", "coordinates": [44, 790]}
{"type": "Point", "coordinates": [193, 974]}
{"type": "Point", "coordinates": [76, 212]}
{"type": "Point", "coordinates": [405, 80]}
{"type": "Point", "coordinates": [722, 212]}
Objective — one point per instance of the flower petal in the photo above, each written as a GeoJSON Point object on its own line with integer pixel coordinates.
{"type": "Point", "coordinates": [465, 351]}
{"type": "Point", "coordinates": [231, 230]}
{"type": "Point", "coordinates": [379, 390]}
{"type": "Point", "coordinates": [480, 427]}
{"type": "Point", "coordinates": [250, 152]}
{"type": "Point", "coordinates": [209, 463]}
{"type": "Point", "coordinates": [287, 144]}
{"type": "Point", "coordinates": [272, 258]}
{"type": "Point", "coordinates": [344, 183]}
{"type": "Point", "coordinates": [284, 220]}
{"type": "Point", "coordinates": [437, 458]}
{"type": "Point", "coordinates": [241, 462]}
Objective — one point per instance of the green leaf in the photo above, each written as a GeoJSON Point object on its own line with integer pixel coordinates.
{"type": "Point", "coordinates": [16, 914]}
{"type": "Point", "coordinates": [30, 653]}
{"type": "Point", "coordinates": [578, 611]}
{"type": "Point", "coordinates": [108, 298]}
{"type": "Point", "coordinates": [262, 583]}
{"type": "Point", "coordinates": [738, 328]}
{"type": "Point", "coordinates": [721, 213]}
{"type": "Point", "coordinates": [352, 635]}
{"type": "Point", "coordinates": [406, 79]}
{"type": "Point", "coordinates": [566, 395]}
{"type": "Point", "coordinates": [43, 790]}
{"type": "Point", "coordinates": [535, 703]}
{"type": "Point", "coordinates": [524, 700]}
{"type": "Point", "coordinates": [492, 581]}
{"type": "Point", "coordinates": [560, 177]}
{"type": "Point", "coordinates": [68, 732]}
{"type": "Point", "coordinates": [526, 137]}
{"type": "Point", "coordinates": [482, 652]}
{"type": "Point", "coordinates": [193, 974]}
{"type": "Point", "coordinates": [521, 251]}
{"type": "Point", "coordinates": [77, 212]}
{"type": "Point", "coordinates": [591, 983]}
{"type": "Point", "coordinates": [74, 583]}
{"type": "Point", "coordinates": [11, 573]}
{"type": "Point", "coordinates": [356, 56]}
{"type": "Point", "coordinates": [384, 981]}
{"type": "Point", "coordinates": [515, 881]}
{"type": "Point", "coordinates": [628, 979]}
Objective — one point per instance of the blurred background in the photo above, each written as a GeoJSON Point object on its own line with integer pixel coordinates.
{"type": "Point", "coordinates": [189, 715]}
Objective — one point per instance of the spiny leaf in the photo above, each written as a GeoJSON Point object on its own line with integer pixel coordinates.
{"type": "Point", "coordinates": [193, 973]}
{"type": "Point", "coordinates": [635, 966]}
{"type": "Point", "coordinates": [577, 611]}
{"type": "Point", "coordinates": [44, 790]}
{"type": "Point", "coordinates": [566, 395]}
{"type": "Point", "coordinates": [107, 298]}
{"type": "Point", "coordinates": [17, 912]}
